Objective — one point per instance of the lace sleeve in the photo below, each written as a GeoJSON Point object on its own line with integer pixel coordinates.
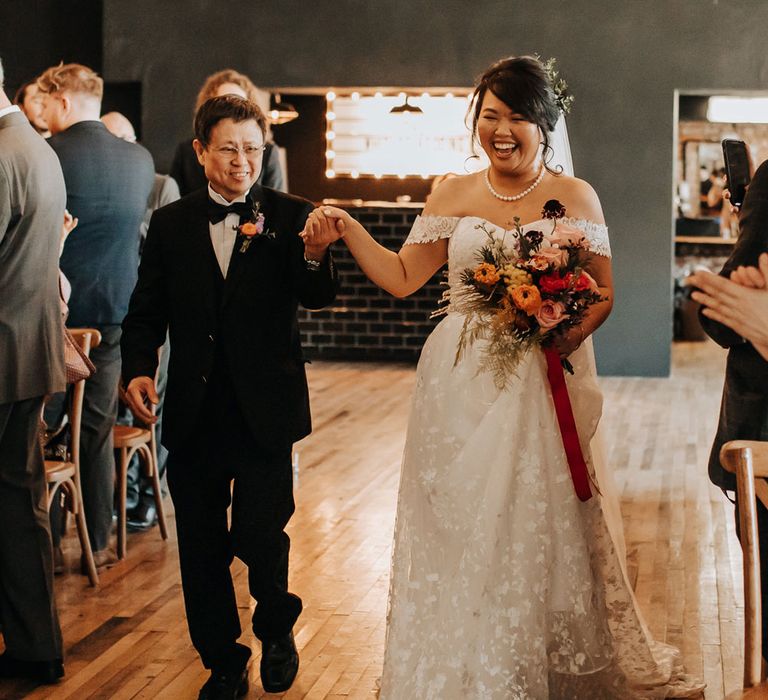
{"type": "Point", "coordinates": [596, 234]}
{"type": "Point", "coordinates": [428, 229]}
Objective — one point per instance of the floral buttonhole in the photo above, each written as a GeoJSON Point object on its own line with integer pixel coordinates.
{"type": "Point", "coordinates": [253, 227]}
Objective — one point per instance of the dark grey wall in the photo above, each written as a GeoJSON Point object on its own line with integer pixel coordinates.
{"type": "Point", "coordinates": [623, 61]}
{"type": "Point", "coordinates": [36, 34]}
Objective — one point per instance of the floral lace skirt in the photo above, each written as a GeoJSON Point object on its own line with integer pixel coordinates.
{"type": "Point", "coordinates": [504, 584]}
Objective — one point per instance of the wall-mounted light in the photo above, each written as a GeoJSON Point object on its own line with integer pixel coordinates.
{"type": "Point", "coordinates": [406, 108]}
{"type": "Point", "coordinates": [281, 112]}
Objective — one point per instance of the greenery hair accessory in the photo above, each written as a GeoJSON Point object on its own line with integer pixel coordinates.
{"type": "Point", "coordinates": [563, 98]}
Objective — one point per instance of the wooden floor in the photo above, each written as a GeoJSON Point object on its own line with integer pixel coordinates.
{"type": "Point", "coordinates": [128, 639]}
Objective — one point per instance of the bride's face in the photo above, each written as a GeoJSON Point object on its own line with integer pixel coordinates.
{"type": "Point", "coordinates": [512, 143]}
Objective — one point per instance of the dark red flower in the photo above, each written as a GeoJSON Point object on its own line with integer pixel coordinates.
{"type": "Point", "coordinates": [553, 210]}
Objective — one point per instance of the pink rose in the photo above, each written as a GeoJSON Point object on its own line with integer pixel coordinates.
{"type": "Point", "coordinates": [551, 256]}
{"type": "Point", "coordinates": [565, 234]}
{"type": "Point", "coordinates": [550, 314]}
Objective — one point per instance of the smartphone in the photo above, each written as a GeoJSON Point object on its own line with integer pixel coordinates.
{"type": "Point", "coordinates": [736, 169]}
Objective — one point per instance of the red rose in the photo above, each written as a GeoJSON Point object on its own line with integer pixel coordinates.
{"type": "Point", "coordinates": [585, 281]}
{"type": "Point", "coordinates": [552, 284]}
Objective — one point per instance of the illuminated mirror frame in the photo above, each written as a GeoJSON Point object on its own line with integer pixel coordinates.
{"type": "Point", "coordinates": [373, 130]}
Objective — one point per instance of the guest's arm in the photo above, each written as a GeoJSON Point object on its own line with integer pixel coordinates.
{"type": "Point", "coordinates": [744, 309]}
{"type": "Point", "coordinates": [5, 205]}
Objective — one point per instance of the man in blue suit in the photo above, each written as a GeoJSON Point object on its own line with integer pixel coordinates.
{"type": "Point", "coordinates": [108, 183]}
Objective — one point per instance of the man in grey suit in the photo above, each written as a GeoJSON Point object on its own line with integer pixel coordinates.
{"type": "Point", "coordinates": [32, 200]}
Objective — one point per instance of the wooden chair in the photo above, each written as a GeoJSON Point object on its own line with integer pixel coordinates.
{"type": "Point", "coordinates": [64, 476]}
{"type": "Point", "coordinates": [131, 440]}
{"type": "Point", "coordinates": [748, 460]}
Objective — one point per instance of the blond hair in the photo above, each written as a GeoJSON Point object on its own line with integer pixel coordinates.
{"type": "Point", "coordinates": [71, 77]}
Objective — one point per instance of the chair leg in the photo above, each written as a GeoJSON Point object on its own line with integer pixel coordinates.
{"type": "Point", "coordinates": [85, 541]}
{"type": "Point", "coordinates": [158, 493]}
{"type": "Point", "coordinates": [122, 485]}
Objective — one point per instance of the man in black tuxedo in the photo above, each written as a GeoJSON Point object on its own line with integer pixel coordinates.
{"type": "Point", "coordinates": [744, 406]}
{"type": "Point", "coordinates": [32, 200]}
{"type": "Point", "coordinates": [108, 183]}
{"type": "Point", "coordinates": [223, 269]}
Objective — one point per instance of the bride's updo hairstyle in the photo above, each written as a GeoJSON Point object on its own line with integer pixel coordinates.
{"type": "Point", "coordinates": [521, 83]}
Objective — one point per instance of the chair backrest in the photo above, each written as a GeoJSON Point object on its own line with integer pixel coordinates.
{"type": "Point", "coordinates": [87, 339]}
{"type": "Point", "coordinates": [748, 460]}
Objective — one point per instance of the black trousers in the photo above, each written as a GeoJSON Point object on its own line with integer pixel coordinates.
{"type": "Point", "coordinates": [27, 604]}
{"type": "Point", "coordinates": [221, 465]}
{"type": "Point", "coordinates": [762, 533]}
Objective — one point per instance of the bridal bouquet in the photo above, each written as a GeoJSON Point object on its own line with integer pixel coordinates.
{"type": "Point", "coordinates": [521, 296]}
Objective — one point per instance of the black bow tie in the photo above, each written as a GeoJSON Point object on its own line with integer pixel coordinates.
{"type": "Point", "coordinates": [218, 212]}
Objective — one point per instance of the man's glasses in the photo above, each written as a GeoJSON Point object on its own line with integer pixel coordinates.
{"type": "Point", "coordinates": [230, 151]}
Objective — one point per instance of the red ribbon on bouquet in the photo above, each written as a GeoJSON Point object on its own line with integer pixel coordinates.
{"type": "Point", "coordinates": [570, 435]}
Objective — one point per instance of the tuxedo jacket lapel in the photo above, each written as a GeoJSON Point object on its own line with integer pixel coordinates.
{"type": "Point", "coordinates": [204, 257]}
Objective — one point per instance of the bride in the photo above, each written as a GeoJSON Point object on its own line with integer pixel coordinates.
{"type": "Point", "coordinates": [504, 584]}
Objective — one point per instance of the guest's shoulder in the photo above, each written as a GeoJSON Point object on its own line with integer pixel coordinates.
{"type": "Point", "coordinates": [134, 152]}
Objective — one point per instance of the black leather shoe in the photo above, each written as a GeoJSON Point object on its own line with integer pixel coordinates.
{"type": "Point", "coordinates": [279, 663]}
{"type": "Point", "coordinates": [42, 671]}
{"type": "Point", "coordinates": [225, 686]}
{"type": "Point", "coordinates": [142, 517]}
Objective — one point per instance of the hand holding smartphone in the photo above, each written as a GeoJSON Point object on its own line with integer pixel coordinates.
{"type": "Point", "coordinates": [737, 169]}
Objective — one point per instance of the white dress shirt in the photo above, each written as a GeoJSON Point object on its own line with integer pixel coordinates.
{"type": "Point", "coordinates": [224, 233]}
{"type": "Point", "coordinates": [8, 110]}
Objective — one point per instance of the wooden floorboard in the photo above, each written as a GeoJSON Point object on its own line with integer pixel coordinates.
{"type": "Point", "coordinates": [127, 640]}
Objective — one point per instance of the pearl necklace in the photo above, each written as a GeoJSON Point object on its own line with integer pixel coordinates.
{"type": "Point", "coordinates": [513, 197]}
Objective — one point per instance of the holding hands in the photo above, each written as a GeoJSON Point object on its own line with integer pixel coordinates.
{"type": "Point", "coordinates": [324, 226]}
{"type": "Point", "coordinates": [741, 302]}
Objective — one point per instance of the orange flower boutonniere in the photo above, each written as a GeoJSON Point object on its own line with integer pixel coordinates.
{"type": "Point", "coordinates": [248, 230]}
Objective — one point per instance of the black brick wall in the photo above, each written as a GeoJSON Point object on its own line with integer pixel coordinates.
{"type": "Point", "coordinates": [366, 323]}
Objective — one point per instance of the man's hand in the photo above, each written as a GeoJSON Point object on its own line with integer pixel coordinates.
{"type": "Point", "coordinates": [320, 231]}
{"type": "Point", "coordinates": [138, 392]}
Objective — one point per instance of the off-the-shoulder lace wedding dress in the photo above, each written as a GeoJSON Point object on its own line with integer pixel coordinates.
{"type": "Point", "coordinates": [504, 585]}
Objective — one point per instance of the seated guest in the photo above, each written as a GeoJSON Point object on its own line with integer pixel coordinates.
{"type": "Point", "coordinates": [141, 509]}
{"type": "Point", "coordinates": [32, 199]}
{"type": "Point", "coordinates": [108, 183]}
{"type": "Point", "coordinates": [30, 101]}
{"type": "Point", "coordinates": [186, 169]}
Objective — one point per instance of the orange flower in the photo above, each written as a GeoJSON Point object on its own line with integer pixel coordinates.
{"type": "Point", "coordinates": [485, 273]}
{"type": "Point", "coordinates": [527, 298]}
{"type": "Point", "coordinates": [249, 229]}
